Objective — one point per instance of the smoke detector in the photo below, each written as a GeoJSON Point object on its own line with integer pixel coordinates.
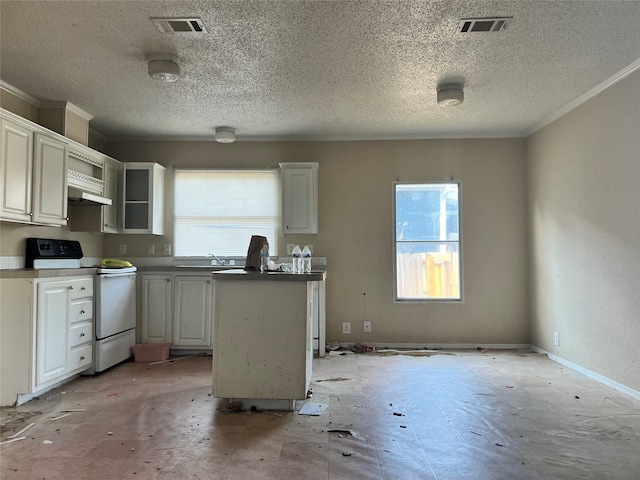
{"type": "Point", "coordinates": [164, 67]}
{"type": "Point", "coordinates": [450, 94]}
{"type": "Point", "coordinates": [225, 135]}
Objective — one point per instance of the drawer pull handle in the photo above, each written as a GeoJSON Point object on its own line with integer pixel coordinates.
{"type": "Point", "coordinates": [83, 288]}
{"type": "Point", "coordinates": [82, 335]}
{"type": "Point", "coordinates": [82, 358]}
{"type": "Point", "coordinates": [71, 287]}
{"type": "Point", "coordinates": [81, 312]}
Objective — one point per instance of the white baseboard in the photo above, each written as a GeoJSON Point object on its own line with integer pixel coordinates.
{"type": "Point", "coordinates": [592, 375]}
{"type": "Point", "coordinates": [453, 346]}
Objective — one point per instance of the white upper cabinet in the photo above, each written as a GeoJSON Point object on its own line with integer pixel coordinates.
{"type": "Point", "coordinates": [113, 178]}
{"type": "Point", "coordinates": [143, 208]}
{"type": "Point", "coordinates": [102, 218]}
{"type": "Point", "coordinates": [33, 173]}
{"type": "Point", "coordinates": [16, 168]}
{"type": "Point", "coordinates": [299, 197]}
{"type": "Point", "coordinates": [49, 181]}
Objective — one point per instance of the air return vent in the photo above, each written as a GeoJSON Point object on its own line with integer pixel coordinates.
{"type": "Point", "coordinates": [179, 25]}
{"type": "Point", "coordinates": [494, 24]}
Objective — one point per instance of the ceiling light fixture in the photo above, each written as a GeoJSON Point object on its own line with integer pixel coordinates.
{"type": "Point", "coordinates": [450, 94]}
{"type": "Point", "coordinates": [225, 135]}
{"type": "Point", "coordinates": [164, 67]}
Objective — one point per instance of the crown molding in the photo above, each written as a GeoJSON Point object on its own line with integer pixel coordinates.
{"type": "Point", "coordinates": [625, 72]}
{"type": "Point", "coordinates": [19, 93]}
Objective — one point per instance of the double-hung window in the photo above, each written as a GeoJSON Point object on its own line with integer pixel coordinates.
{"type": "Point", "coordinates": [427, 241]}
{"type": "Point", "coordinates": [217, 211]}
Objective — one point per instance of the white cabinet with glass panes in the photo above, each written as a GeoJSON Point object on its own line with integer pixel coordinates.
{"type": "Point", "coordinates": [143, 206]}
{"type": "Point", "coordinates": [299, 197]}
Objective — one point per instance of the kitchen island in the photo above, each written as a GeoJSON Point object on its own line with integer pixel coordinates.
{"type": "Point", "coordinates": [263, 351]}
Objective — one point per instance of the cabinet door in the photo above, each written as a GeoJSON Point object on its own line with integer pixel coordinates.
{"type": "Point", "coordinates": [300, 198]}
{"type": "Point", "coordinates": [156, 309]}
{"type": "Point", "coordinates": [16, 169]}
{"type": "Point", "coordinates": [112, 176]}
{"type": "Point", "coordinates": [192, 311]}
{"type": "Point", "coordinates": [51, 330]}
{"type": "Point", "coordinates": [50, 181]}
{"type": "Point", "coordinates": [143, 209]}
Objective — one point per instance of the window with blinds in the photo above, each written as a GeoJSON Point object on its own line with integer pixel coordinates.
{"type": "Point", "coordinates": [217, 211]}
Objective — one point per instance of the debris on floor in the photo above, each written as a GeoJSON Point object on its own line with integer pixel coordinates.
{"type": "Point", "coordinates": [343, 432]}
{"type": "Point", "coordinates": [21, 431]}
{"type": "Point", "coordinates": [337, 353]}
{"type": "Point", "coordinates": [313, 409]}
{"type": "Point", "coordinates": [398, 414]}
{"type": "Point", "coordinates": [413, 353]}
{"type": "Point", "coordinates": [337, 379]}
{"type": "Point", "coordinates": [13, 440]}
{"type": "Point", "coordinates": [59, 417]}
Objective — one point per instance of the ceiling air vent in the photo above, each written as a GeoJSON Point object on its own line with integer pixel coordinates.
{"type": "Point", "coordinates": [494, 24]}
{"type": "Point", "coordinates": [179, 25]}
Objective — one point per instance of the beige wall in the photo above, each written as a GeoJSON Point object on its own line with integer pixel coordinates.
{"type": "Point", "coordinates": [17, 105]}
{"type": "Point", "coordinates": [584, 203]}
{"type": "Point", "coordinates": [13, 235]}
{"type": "Point", "coordinates": [356, 231]}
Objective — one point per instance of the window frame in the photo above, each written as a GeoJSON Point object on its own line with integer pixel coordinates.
{"type": "Point", "coordinates": [236, 258]}
{"type": "Point", "coordinates": [394, 244]}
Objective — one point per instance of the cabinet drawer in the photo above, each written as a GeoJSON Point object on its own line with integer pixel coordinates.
{"type": "Point", "coordinates": [80, 333]}
{"type": "Point", "coordinates": [80, 358]}
{"type": "Point", "coordinates": [81, 311]}
{"type": "Point", "coordinates": [81, 288]}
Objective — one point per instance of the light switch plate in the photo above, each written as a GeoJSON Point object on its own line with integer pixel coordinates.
{"type": "Point", "coordinates": [167, 249]}
{"type": "Point", "coordinates": [123, 249]}
{"type": "Point", "coordinates": [151, 248]}
{"type": "Point", "coordinates": [290, 247]}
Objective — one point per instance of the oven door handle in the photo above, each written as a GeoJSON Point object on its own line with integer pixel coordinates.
{"type": "Point", "coordinates": [121, 275]}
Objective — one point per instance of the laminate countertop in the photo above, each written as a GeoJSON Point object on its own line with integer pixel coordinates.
{"type": "Point", "coordinates": [239, 274]}
{"type": "Point", "coordinates": [46, 272]}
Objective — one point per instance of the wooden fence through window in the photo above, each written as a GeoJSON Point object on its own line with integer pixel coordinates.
{"type": "Point", "coordinates": [428, 275]}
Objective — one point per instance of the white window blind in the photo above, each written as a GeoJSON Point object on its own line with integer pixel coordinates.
{"type": "Point", "coordinates": [217, 211]}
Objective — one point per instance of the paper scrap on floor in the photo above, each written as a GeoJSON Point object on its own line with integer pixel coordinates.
{"type": "Point", "coordinates": [313, 409]}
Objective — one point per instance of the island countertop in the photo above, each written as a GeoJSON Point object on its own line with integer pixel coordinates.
{"type": "Point", "coordinates": [240, 274]}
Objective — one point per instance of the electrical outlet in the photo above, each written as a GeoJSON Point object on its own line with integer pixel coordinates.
{"type": "Point", "coordinates": [556, 339]}
{"type": "Point", "coordinates": [123, 249]}
{"type": "Point", "coordinates": [167, 249]}
{"type": "Point", "coordinates": [367, 327]}
{"type": "Point", "coordinates": [151, 248]}
{"type": "Point", "coordinates": [310, 245]}
{"type": "Point", "coordinates": [346, 328]}
{"type": "Point", "coordinates": [290, 247]}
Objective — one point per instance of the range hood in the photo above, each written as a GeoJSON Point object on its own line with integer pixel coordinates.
{"type": "Point", "coordinates": [77, 196]}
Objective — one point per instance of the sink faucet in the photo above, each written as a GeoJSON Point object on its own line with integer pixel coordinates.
{"type": "Point", "coordinates": [216, 259]}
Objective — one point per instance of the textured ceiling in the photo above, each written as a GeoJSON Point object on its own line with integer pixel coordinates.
{"type": "Point", "coordinates": [316, 69]}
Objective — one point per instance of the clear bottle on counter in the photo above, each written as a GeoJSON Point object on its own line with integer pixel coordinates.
{"type": "Point", "coordinates": [306, 259]}
{"type": "Point", "coordinates": [264, 258]}
{"type": "Point", "coordinates": [296, 256]}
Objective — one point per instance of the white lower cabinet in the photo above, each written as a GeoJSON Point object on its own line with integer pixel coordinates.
{"type": "Point", "coordinates": [64, 328]}
{"type": "Point", "coordinates": [155, 324]}
{"type": "Point", "coordinates": [46, 333]}
{"type": "Point", "coordinates": [176, 309]}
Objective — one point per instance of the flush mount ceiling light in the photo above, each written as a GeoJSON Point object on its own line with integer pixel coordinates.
{"type": "Point", "coordinates": [225, 135]}
{"type": "Point", "coordinates": [164, 67]}
{"type": "Point", "coordinates": [450, 94]}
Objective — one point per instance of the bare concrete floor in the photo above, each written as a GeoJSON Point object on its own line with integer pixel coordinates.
{"type": "Point", "coordinates": [492, 415]}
